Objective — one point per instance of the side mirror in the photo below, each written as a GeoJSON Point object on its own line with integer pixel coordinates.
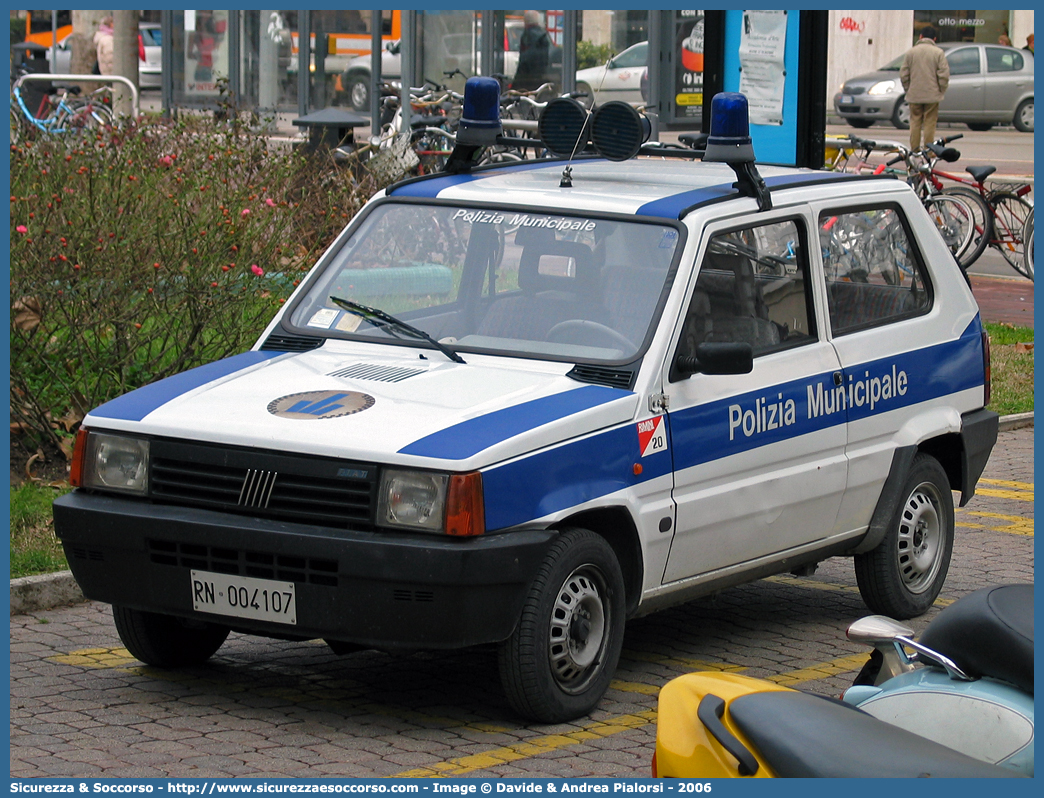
{"type": "Point", "coordinates": [715, 358]}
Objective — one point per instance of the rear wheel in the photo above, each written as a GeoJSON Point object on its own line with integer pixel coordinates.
{"type": "Point", "coordinates": [1010, 213]}
{"type": "Point", "coordinates": [980, 126]}
{"type": "Point", "coordinates": [558, 662]}
{"type": "Point", "coordinates": [982, 218]}
{"type": "Point", "coordinates": [587, 100]}
{"type": "Point", "coordinates": [1024, 116]}
{"type": "Point", "coordinates": [1027, 239]}
{"type": "Point", "coordinates": [903, 575]}
{"type": "Point", "coordinates": [166, 641]}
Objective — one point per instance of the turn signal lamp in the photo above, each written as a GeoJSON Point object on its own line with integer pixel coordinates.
{"type": "Point", "coordinates": [480, 117]}
{"type": "Point", "coordinates": [465, 510]}
{"type": "Point", "coordinates": [729, 139]}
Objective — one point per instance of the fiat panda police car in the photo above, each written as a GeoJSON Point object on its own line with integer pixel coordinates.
{"type": "Point", "coordinates": [520, 405]}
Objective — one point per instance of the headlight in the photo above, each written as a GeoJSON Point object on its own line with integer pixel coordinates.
{"type": "Point", "coordinates": [114, 462]}
{"type": "Point", "coordinates": [884, 87]}
{"type": "Point", "coordinates": [413, 499]}
{"type": "Point", "coordinates": [448, 503]}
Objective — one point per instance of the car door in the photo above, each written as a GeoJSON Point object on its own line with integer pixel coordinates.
{"type": "Point", "coordinates": [1006, 82]}
{"type": "Point", "coordinates": [755, 474]}
{"type": "Point", "coordinates": [965, 97]}
{"type": "Point", "coordinates": [879, 301]}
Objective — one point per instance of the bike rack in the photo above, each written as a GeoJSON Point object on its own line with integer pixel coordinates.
{"type": "Point", "coordinates": [135, 104]}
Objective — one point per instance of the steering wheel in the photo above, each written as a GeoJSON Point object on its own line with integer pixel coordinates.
{"type": "Point", "coordinates": [578, 331]}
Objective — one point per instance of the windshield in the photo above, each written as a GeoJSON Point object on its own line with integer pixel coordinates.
{"type": "Point", "coordinates": [541, 285]}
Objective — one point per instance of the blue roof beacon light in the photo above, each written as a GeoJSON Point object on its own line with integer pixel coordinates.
{"type": "Point", "coordinates": [729, 142]}
{"type": "Point", "coordinates": [479, 124]}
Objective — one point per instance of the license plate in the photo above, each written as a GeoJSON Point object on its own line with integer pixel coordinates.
{"type": "Point", "coordinates": [244, 597]}
{"type": "Point", "coordinates": [846, 99]}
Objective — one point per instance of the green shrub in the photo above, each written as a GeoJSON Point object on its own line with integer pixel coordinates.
{"type": "Point", "coordinates": [145, 250]}
{"type": "Point", "coordinates": [589, 55]}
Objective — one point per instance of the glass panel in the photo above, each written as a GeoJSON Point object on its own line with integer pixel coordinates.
{"type": "Point", "coordinates": [998, 60]}
{"type": "Point", "coordinates": [268, 47]}
{"type": "Point", "coordinates": [605, 35]}
{"type": "Point", "coordinates": [552, 286]}
{"type": "Point", "coordinates": [539, 51]}
{"type": "Point", "coordinates": [872, 271]}
{"type": "Point", "coordinates": [752, 288]}
{"type": "Point", "coordinates": [964, 61]}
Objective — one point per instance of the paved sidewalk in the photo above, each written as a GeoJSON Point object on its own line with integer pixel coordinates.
{"type": "Point", "coordinates": [1003, 299]}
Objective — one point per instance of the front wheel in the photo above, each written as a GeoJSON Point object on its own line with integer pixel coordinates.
{"type": "Point", "coordinates": [903, 575]}
{"type": "Point", "coordinates": [359, 93]}
{"type": "Point", "coordinates": [982, 218]}
{"type": "Point", "coordinates": [901, 114]}
{"type": "Point", "coordinates": [166, 641]}
{"type": "Point", "coordinates": [558, 662]}
{"type": "Point", "coordinates": [954, 219]}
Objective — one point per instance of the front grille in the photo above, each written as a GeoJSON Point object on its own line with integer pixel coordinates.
{"type": "Point", "coordinates": [325, 492]}
{"type": "Point", "coordinates": [260, 565]}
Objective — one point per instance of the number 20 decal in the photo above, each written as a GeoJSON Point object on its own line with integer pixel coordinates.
{"type": "Point", "coordinates": [652, 437]}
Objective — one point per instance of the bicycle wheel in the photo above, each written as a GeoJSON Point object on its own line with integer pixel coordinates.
{"type": "Point", "coordinates": [983, 227]}
{"type": "Point", "coordinates": [1027, 239]}
{"type": "Point", "coordinates": [954, 219]}
{"type": "Point", "coordinates": [1010, 213]}
{"type": "Point", "coordinates": [85, 115]}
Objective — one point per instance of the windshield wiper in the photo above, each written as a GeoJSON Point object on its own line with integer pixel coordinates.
{"type": "Point", "coordinates": [378, 318]}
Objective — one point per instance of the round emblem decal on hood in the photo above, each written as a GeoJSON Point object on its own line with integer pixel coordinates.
{"type": "Point", "coordinates": [314, 405]}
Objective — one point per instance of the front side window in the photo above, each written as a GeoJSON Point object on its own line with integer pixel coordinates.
{"type": "Point", "coordinates": [872, 271]}
{"type": "Point", "coordinates": [543, 285]}
{"type": "Point", "coordinates": [753, 287]}
{"type": "Point", "coordinates": [964, 61]}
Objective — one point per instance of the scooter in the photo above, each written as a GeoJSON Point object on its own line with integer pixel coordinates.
{"type": "Point", "coordinates": [713, 725]}
{"type": "Point", "coordinates": [967, 683]}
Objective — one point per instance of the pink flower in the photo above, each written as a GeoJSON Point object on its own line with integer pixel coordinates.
{"type": "Point", "coordinates": [244, 213]}
{"type": "Point", "coordinates": [257, 270]}
{"type": "Point", "coordinates": [269, 202]}
{"type": "Point", "coordinates": [22, 229]}
{"type": "Point", "coordinates": [167, 161]}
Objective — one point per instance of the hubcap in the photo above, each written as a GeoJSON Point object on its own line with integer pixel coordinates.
{"type": "Point", "coordinates": [920, 539]}
{"type": "Point", "coordinates": [578, 629]}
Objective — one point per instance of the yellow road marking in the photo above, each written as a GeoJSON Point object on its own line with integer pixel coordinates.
{"type": "Point", "coordinates": [820, 671]}
{"type": "Point", "coordinates": [800, 581]}
{"type": "Point", "coordinates": [1017, 495]}
{"type": "Point", "coordinates": [1016, 524]}
{"type": "Point", "coordinates": [1007, 483]}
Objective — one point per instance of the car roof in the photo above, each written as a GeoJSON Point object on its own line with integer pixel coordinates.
{"type": "Point", "coordinates": [667, 189]}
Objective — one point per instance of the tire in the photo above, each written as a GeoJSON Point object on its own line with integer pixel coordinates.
{"type": "Point", "coordinates": [166, 641]}
{"type": "Point", "coordinates": [902, 577]}
{"type": "Point", "coordinates": [954, 219]}
{"type": "Point", "coordinates": [1010, 213]}
{"type": "Point", "coordinates": [982, 218]}
{"type": "Point", "coordinates": [358, 89]}
{"type": "Point", "coordinates": [901, 114]}
{"type": "Point", "coordinates": [588, 100]}
{"type": "Point", "coordinates": [860, 123]}
{"type": "Point", "coordinates": [980, 126]}
{"type": "Point", "coordinates": [1027, 239]}
{"type": "Point", "coordinates": [559, 661]}
{"type": "Point", "coordinates": [1024, 116]}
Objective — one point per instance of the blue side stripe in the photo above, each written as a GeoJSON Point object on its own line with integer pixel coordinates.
{"type": "Point", "coordinates": [431, 188]}
{"type": "Point", "coordinates": [579, 471]}
{"type": "Point", "coordinates": [470, 437]}
{"type": "Point", "coordinates": [671, 207]}
{"type": "Point", "coordinates": [134, 406]}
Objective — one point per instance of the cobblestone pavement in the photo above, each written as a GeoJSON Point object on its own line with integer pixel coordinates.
{"type": "Point", "coordinates": [82, 707]}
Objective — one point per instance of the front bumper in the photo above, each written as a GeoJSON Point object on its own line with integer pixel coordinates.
{"type": "Point", "coordinates": [376, 589]}
{"type": "Point", "coordinates": [865, 106]}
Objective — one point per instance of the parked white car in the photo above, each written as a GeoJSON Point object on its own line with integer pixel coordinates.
{"type": "Point", "coordinates": [617, 79]}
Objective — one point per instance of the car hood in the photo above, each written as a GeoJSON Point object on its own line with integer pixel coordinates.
{"type": "Point", "coordinates": [393, 405]}
{"type": "Point", "coordinates": [868, 79]}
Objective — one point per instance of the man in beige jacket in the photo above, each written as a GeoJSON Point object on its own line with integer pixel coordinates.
{"type": "Point", "coordinates": [925, 75]}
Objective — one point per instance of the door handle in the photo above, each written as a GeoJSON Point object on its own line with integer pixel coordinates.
{"type": "Point", "coordinates": [838, 378]}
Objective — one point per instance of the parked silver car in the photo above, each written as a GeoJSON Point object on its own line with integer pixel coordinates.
{"type": "Point", "coordinates": [989, 85]}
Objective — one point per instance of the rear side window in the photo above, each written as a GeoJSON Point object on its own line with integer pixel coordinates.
{"type": "Point", "coordinates": [964, 62]}
{"type": "Point", "coordinates": [998, 60]}
{"type": "Point", "coordinates": [873, 274]}
{"type": "Point", "coordinates": [752, 288]}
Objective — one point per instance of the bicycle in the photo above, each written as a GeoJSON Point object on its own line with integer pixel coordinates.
{"type": "Point", "coordinates": [59, 113]}
{"type": "Point", "coordinates": [1000, 213]}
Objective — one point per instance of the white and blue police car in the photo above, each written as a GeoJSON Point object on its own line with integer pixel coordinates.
{"type": "Point", "coordinates": [522, 404]}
